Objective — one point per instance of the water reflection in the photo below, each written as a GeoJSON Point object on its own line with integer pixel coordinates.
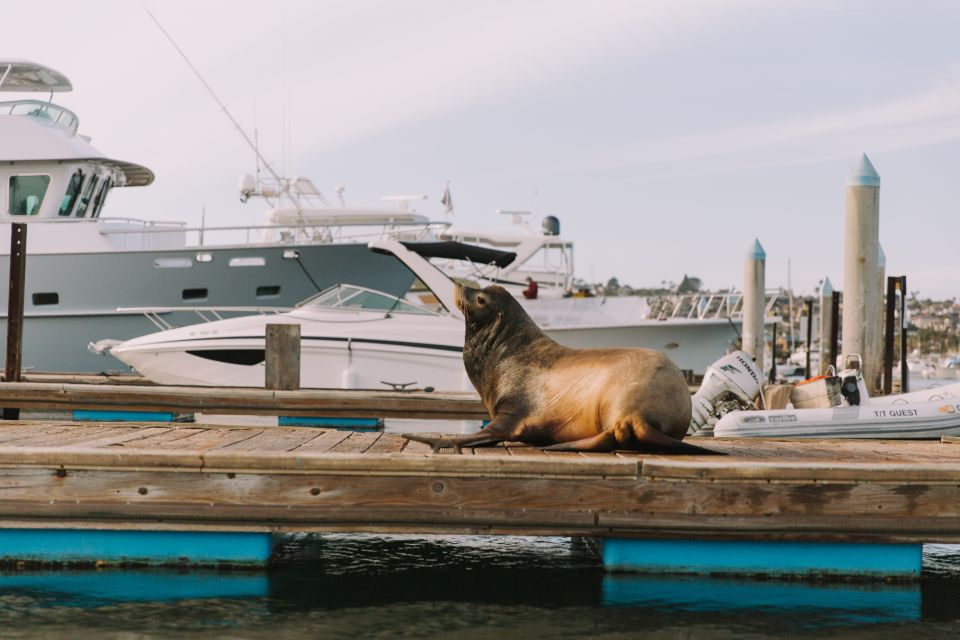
{"type": "Point", "coordinates": [387, 586]}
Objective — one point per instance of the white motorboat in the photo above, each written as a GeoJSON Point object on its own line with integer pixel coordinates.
{"type": "Point", "coordinates": [729, 391]}
{"type": "Point", "coordinates": [351, 337]}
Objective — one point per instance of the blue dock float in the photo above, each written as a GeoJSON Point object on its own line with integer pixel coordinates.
{"type": "Point", "coordinates": [344, 424]}
{"type": "Point", "coordinates": [135, 547]}
{"type": "Point", "coordinates": [84, 415]}
{"type": "Point", "coordinates": [767, 557]}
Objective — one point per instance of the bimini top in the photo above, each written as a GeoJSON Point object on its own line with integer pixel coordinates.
{"type": "Point", "coordinates": [23, 75]}
{"type": "Point", "coordinates": [461, 251]}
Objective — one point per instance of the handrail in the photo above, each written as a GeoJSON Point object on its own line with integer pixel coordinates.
{"type": "Point", "coordinates": [46, 111]}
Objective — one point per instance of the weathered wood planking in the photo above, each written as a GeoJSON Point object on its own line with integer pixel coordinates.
{"type": "Point", "coordinates": [308, 402]}
{"type": "Point", "coordinates": [255, 479]}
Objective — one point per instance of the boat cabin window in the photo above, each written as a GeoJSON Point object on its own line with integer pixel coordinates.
{"type": "Point", "coordinates": [101, 197]}
{"type": "Point", "coordinates": [26, 194]}
{"type": "Point", "coordinates": [92, 182]}
{"type": "Point", "coordinates": [73, 192]}
{"type": "Point", "coordinates": [350, 297]}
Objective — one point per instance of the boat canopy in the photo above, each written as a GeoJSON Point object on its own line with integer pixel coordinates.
{"type": "Point", "coordinates": [461, 251]}
{"type": "Point", "coordinates": [23, 75]}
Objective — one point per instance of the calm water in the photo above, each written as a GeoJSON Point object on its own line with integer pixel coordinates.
{"type": "Point", "coordinates": [467, 587]}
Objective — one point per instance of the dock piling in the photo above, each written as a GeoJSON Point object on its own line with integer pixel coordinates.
{"type": "Point", "coordinates": [861, 326]}
{"type": "Point", "coordinates": [283, 357]}
{"type": "Point", "coordinates": [753, 301]}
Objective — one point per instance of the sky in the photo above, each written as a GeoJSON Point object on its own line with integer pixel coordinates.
{"type": "Point", "coordinates": [665, 136]}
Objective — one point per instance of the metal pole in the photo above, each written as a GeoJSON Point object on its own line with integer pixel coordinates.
{"type": "Point", "coordinates": [834, 328]}
{"type": "Point", "coordinates": [904, 371]}
{"type": "Point", "coordinates": [808, 303]}
{"type": "Point", "coordinates": [18, 271]}
{"type": "Point", "coordinates": [888, 336]}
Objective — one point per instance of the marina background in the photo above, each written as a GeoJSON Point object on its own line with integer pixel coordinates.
{"type": "Point", "coordinates": [697, 125]}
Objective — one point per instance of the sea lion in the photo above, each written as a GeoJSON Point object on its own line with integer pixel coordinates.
{"type": "Point", "coordinates": [542, 393]}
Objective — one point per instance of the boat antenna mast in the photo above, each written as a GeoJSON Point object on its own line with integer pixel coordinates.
{"type": "Point", "coordinates": [246, 190]}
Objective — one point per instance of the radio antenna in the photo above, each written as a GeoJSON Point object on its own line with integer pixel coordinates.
{"type": "Point", "coordinates": [253, 145]}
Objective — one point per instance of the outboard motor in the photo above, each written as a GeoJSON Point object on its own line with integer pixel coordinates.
{"type": "Point", "coordinates": [733, 376]}
{"type": "Point", "coordinates": [550, 226]}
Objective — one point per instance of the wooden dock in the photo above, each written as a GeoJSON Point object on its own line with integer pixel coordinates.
{"type": "Point", "coordinates": [160, 477]}
{"type": "Point", "coordinates": [51, 396]}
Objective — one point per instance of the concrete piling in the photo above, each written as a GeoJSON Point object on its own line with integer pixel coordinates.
{"type": "Point", "coordinates": [754, 274]}
{"type": "Point", "coordinates": [861, 320]}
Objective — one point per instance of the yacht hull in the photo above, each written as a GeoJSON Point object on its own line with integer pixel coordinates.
{"type": "Point", "coordinates": [88, 288]}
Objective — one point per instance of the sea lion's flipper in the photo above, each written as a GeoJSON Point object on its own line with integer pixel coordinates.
{"type": "Point", "coordinates": [499, 429]}
{"type": "Point", "coordinates": [603, 441]}
{"type": "Point", "coordinates": [649, 439]}
{"type": "Point", "coordinates": [454, 442]}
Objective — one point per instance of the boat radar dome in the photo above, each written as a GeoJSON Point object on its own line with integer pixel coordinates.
{"type": "Point", "coordinates": [550, 226]}
{"type": "Point", "coordinates": [247, 185]}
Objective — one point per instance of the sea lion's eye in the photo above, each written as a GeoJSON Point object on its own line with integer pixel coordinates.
{"type": "Point", "coordinates": [480, 300]}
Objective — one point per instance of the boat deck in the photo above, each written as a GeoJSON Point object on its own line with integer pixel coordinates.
{"type": "Point", "coordinates": [192, 478]}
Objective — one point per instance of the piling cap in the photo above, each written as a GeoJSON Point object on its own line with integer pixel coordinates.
{"type": "Point", "coordinates": [826, 288]}
{"type": "Point", "coordinates": [756, 252]}
{"type": "Point", "coordinates": [863, 174]}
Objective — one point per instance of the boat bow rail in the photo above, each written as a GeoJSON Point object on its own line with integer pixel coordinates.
{"type": "Point", "coordinates": [206, 314]}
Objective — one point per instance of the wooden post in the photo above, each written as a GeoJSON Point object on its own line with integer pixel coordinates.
{"type": "Point", "coordinates": [18, 272]}
{"type": "Point", "coordinates": [826, 325]}
{"type": "Point", "coordinates": [834, 327]}
{"type": "Point", "coordinates": [808, 303]}
{"type": "Point", "coordinates": [773, 355]}
{"type": "Point", "coordinates": [877, 344]}
{"type": "Point", "coordinates": [283, 357]}
{"type": "Point", "coordinates": [888, 336]}
{"type": "Point", "coordinates": [754, 302]}
{"type": "Point", "coordinates": [904, 371]}
{"type": "Point", "coordinates": [861, 324]}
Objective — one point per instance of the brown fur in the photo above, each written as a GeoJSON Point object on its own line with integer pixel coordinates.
{"type": "Point", "coordinates": [542, 393]}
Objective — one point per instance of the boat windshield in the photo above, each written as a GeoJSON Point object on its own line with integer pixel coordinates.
{"type": "Point", "coordinates": [345, 296]}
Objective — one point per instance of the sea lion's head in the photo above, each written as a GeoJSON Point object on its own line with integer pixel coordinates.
{"type": "Point", "coordinates": [482, 307]}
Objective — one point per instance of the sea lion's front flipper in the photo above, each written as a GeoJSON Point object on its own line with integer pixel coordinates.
{"type": "Point", "coordinates": [499, 429]}
{"type": "Point", "coordinates": [603, 441]}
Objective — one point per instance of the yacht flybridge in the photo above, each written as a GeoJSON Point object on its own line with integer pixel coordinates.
{"type": "Point", "coordinates": [83, 266]}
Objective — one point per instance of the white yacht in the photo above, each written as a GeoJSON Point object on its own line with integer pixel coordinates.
{"type": "Point", "coordinates": [82, 266]}
{"type": "Point", "coordinates": [352, 336]}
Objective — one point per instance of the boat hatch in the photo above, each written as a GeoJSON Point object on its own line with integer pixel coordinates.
{"type": "Point", "coordinates": [346, 296]}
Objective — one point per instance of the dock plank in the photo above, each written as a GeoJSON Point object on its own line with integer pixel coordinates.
{"type": "Point", "coordinates": [324, 441]}
{"type": "Point", "coordinates": [388, 443]}
{"type": "Point", "coordinates": [357, 442]}
{"type": "Point", "coordinates": [272, 439]}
